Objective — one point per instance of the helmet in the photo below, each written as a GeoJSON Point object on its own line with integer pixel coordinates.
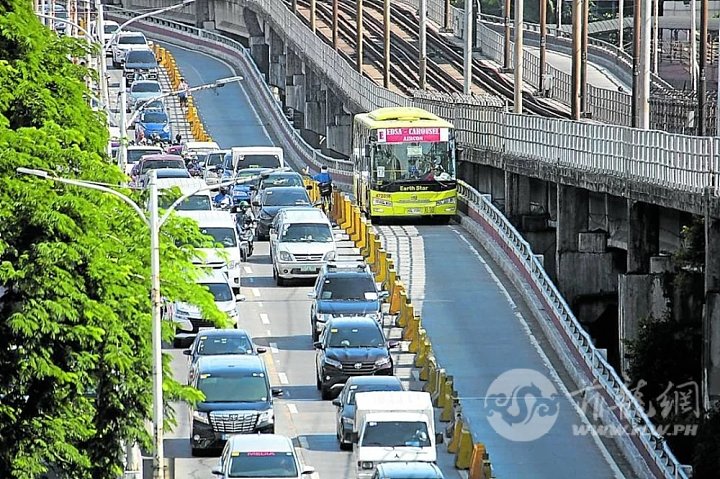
{"type": "Point", "coordinates": [324, 168]}
{"type": "Point", "coordinates": [244, 204]}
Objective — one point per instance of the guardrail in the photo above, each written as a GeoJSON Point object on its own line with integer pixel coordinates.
{"type": "Point", "coordinates": [571, 145]}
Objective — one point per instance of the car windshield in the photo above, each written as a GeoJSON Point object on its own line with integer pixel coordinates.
{"type": "Point", "coordinates": [248, 174]}
{"type": "Point", "coordinates": [110, 29]}
{"type": "Point", "coordinates": [155, 117]}
{"type": "Point", "coordinates": [196, 203]}
{"type": "Point", "coordinates": [141, 56]}
{"type": "Point", "coordinates": [361, 288]}
{"type": "Point", "coordinates": [160, 164]}
{"type": "Point", "coordinates": [263, 464]}
{"type": "Point", "coordinates": [220, 291]}
{"type": "Point", "coordinates": [250, 388]}
{"type": "Point", "coordinates": [286, 197]}
{"type": "Point", "coordinates": [370, 387]}
{"type": "Point", "coordinates": [259, 161]}
{"type": "Point", "coordinates": [214, 159]}
{"type": "Point", "coordinates": [132, 40]}
{"type": "Point", "coordinates": [224, 236]}
{"type": "Point", "coordinates": [213, 346]}
{"type": "Point", "coordinates": [396, 434]}
{"type": "Point", "coordinates": [133, 156]}
{"type": "Point", "coordinates": [307, 233]}
{"type": "Point", "coordinates": [146, 87]}
{"type": "Point", "coordinates": [283, 180]}
{"type": "Point", "coordinates": [155, 105]}
{"type": "Point", "coordinates": [173, 173]}
{"type": "Point", "coordinates": [357, 337]}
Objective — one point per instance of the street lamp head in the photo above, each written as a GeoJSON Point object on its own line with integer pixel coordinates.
{"type": "Point", "coordinates": [224, 81]}
{"type": "Point", "coordinates": [33, 172]}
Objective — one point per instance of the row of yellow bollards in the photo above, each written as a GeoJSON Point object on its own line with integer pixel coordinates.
{"type": "Point", "coordinates": [167, 61]}
{"type": "Point", "coordinates": [469, 455]}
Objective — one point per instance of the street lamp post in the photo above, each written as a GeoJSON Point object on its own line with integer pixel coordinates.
{"type": "Point", "coordinates": [154, 223]}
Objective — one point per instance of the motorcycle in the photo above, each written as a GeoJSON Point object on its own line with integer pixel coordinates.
{"type": "Point", "coordinates": [246, 226]}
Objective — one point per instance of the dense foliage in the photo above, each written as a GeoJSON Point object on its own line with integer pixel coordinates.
{"type": "Point", "coordinates": [75, 329]}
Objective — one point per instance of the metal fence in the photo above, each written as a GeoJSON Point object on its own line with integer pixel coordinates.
{"type": "Point", "coordinates": [673, 161]}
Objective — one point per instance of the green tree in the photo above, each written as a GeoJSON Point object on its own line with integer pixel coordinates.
{"type": "Point", "coordinates": [75, 356]}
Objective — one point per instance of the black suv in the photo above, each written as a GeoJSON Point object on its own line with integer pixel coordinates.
{"type": "Point", "coordinates": [352, 346]}
{"type": "Point", "coordinates": [238, 400]}
{"type": "Point", "coordinates": [344, 289]}
{"type": "Point", "coordinates": [140, 63]}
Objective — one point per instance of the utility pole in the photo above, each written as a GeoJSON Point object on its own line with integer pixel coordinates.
{"type": "Point", "coordinates": [467, 65]}
{"type": "Point", "coordinates": [543, 45]}
{"type": "Point", "coordinates": [518, 81]}
{"type": "Point", "coordinates": [122, 151]}
{"type": "Point", "coordinates": [423, 44]}
{"type": "Point", "coordinates": [621, 24]}
{"type": "Point", "coordinates": [335, 25]}
{"type": "Point", "coordinates": [693, 45]}
{"type": "Point", "coordinates": [359, 37]}
{"type": "Point", "coordinates": [584, 46]}
{"type": "Point", "coordinates": [576, 58]}
{"type": "Point", "coordinates": [637, 12]}
{"type": "Point", "coordinates": [386, 23]}
{"type": "Point", "coordinates": [506, 44]}
{"type": "Point", "coordinates": [559, 5]}
{"type": "Point", "coordinates": [313, 15]}
{"type": "Point", "coordinates": [644, 77]}
{"type": "Point", "coordinates": [656, 34]}
{"type": "Point", "coordinates": [702, 84]}
{"type": "Point", "coordinates": [294, 6]}
{"type": "Point", "coordinates": [448, 15]}
{"type": "Point", "coordinates": [474, 4]}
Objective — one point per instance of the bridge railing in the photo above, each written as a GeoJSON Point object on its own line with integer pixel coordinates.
{"type": "Point", "coordinates": [655, 157]}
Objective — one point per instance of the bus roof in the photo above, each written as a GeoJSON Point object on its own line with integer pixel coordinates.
{"type": "Point", "coordinates": [392, 117]}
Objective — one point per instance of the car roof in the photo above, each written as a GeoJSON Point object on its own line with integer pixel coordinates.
{"type": "Point", "coordinates": [303, 214]}
{"type": "Point", "coordinates": [201, 145]}
{"type": "Point", "coordinates": [373, 380]}
{"type": "Point", "coordinates": [167, 172]}
{"type": "Point", "coordinates": [210, 219]}
{"type": "Point", "coordinates": [210, 275]}
{"type": "Point", "coordinates": [145, 147]}
{"type": "Point", "coordinates": [186, 185]}
{"type": "Point", "coordinates": [283, 173]}
{"type": "Point", "coordinates": [230, 363]}
{"type": "Point", "coordinates": [230, 332]}
{"type": "Point", "coordinates": [162, 157]}
{"type": "Point", "coordinates": [284, 189]}
{"type": "Point", "coordinates": [410, 470]}
{"type": "Point", "coordinates": [260, 442]}
{"type": "Point", "coordinates": [130, 34]}
{"type": "Point", "coordinates": [156, 111]}
{"type": "Point", "coordinates": [141, 82]}
{"type": "Point", "coordinates": [353, 321]}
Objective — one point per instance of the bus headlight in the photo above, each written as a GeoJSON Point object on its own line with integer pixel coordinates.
{"type": "Point", "coordinates": [379, 202]}
{"type": "Point", "coordinates": [446, 201]}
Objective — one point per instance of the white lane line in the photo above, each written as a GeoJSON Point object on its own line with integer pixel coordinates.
{"type": "Point", "coordinates": [256, 292]}
{"type": "Point", "coordinates": [264, 318]}
{"type": "Point", "coordinates": [292, 408]}
{"type": "Point", "coordinates": [283, 378]}
{"type": "Point", "coordinates": [248, 269]}
{"type": "Point", "coordinates": [303, 442]}
{"type": "Point", "coordinates": [259, 304]}
{"type": "Point", "coordinates": [273, 348]}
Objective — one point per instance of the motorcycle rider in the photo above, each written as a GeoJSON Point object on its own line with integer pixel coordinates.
{"type": "Point", "coordinates": [222, 199]}
{"type": "Point", "coordinates": [324, 181]}
{"type": "Point", "coordinates": [244, 214]}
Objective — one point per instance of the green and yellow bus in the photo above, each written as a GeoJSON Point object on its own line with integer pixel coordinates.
{"type": "Point", "coordinates": [404, 164]}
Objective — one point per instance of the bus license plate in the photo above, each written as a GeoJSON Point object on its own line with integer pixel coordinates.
{"type": "Point", "coordinates": [414, 211]}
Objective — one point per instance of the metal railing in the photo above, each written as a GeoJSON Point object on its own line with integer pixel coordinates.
{"type": "Point", "coordinates": [672, 161]}
{"type": "Point", "coordinates": [630, 411]}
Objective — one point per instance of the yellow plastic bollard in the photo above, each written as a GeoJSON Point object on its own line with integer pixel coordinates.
{"type": "Point", "coordinates": [373, 250]}
{"type": "Point", "coordinates": [421, 360]}
{"type": "Point", "coordinates": [439, 381]}
{"type": "Point", "coordinates": [410, 331]}
{"type": "Point", "coordinates": [438, 397]}
{"type": "Point", "coordinates": [422, 349]}
{"type": "Point", "coordinates": [395, 297]}
{"type": "Point", "coordinates": [353, 231]}
{"type": "Point", "coordinates": [361, 243]}
{"type": "Point", "coordinates": [464, 454]}
{"type": "Point", "coordinates": [347, 215]}
{"type": "Point", "coordinates": [431, 367]}
{"type": "Point", "coordinates": [448, 411]}
{"type": "Point", "coordinates": [418, 336]}
{"type": "Point", "coordinates": [454, 445]}
{"type": "Point", "coordinates": [478, 461]}
{"type": "Point", "coordinates": [405, 310]}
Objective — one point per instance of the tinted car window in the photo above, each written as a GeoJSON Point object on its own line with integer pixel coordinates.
{"type": "Point", "coordinates": [146, 87]}
{"type": "Point", "coordinates": [214, 346]}
{"type": "Point", "coordinates": [263, 464]}
{"type": "Point", "coordinates": [283, 180]}
{"type": "Point", "coordinates": [259, 161]}
{"type": "Point", "coordinates": [110, 29]}
{"type": "Point", "coordinates": [355, 337]}
{"type": "Point", "coordinates": [173, 173]}
{"type": "Point", "coordinates": [224, 236]}
{"type": "Point", "coordinates": [251, 388]}
{"type": "Point", "coordinates": [155, 117]}
{"type": "Point", "coordinates": [305, 233]}
{"type": "Point", "coordinates": [132, 40]}
{"type": "Point", "coordinates": [221, 292]}
{"type": "Point", "coordinates": [213, 159]}
{"type": "Point", "coordinates": [133, 156]}
{"type": "Point", "coordinates": [140, 56]}
{"type": "Point", "coordinates": [159, 164]}
{"type": "Point", "coordinates": [285, 197]}
{"type": "Point", "coordinates": [347, 287]}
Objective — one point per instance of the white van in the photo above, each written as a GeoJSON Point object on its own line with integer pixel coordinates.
{"type": "Point", "coordinates": [301, 242]}
{"type": "Point", "coordinates": [201, 201]}
{"type": "Point", "coordinates": [221, 226]}
{"type": "Point", "coordinates": [257, 157]}
{"type": "Point", "coordinates": [194, 148]}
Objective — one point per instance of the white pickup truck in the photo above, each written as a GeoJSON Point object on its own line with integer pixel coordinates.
{"type": "Point", "coordinates": [393, 426]}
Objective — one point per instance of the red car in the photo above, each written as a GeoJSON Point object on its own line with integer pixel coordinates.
{"type": "Point", "coordinates": [173, 149]}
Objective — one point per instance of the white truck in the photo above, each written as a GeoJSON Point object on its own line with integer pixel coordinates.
{"type": "Point", "coordinates": [257, 157]}
{"type": "Point", "coordinates": [393, 426]}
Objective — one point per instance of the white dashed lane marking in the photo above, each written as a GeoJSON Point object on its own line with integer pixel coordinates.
{"type": "Point", "coordinates": [256, 292]}
{"type": "Point", "coordinates": [273, 348]}
{"type": "Point", "coordinates": [292, 408]}
{"type": "Point", "coordinates": [248, 269]}
{"type": "Point", "coordinates": [283, 378]}
{"type": "Point", "coordinates": [264, 318]}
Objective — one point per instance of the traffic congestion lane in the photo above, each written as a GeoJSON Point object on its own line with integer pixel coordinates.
{"type": "Point", "coordinates": [227, 113]}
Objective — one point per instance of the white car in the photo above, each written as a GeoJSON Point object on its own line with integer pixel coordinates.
{"type": "Point", "coordinates": [109, 28]}
{"type": "Point", "coordinates": [261, 456]}
{"type": "Point", "coordinates": [124, 42]}
{"type": "Point", "coordinates": [189, 318]}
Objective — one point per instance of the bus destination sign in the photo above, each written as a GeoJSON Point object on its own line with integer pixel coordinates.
{"type": "Point", "coordinates": [411, 135]}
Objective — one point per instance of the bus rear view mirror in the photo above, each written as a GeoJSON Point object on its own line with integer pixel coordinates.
{"type": "Point", "coordinates": [367, 151]}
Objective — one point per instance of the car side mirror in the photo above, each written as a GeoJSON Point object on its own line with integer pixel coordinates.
{"type": "Point", "coordinates": [309, 187]}
{"type": "Point", "coordinates": [217, 471]}
{"type": "Point", "coordinates": [312, 295]}
{"type": "Point", "coordinates": [276, 392]}
{"type": "Point", "coordinates": [439, 438]}
{"type": "Point", "coordinates": [261, 350]}
{"type": "Point", "coordinates": [308, 470]}
{"type": "Point", "coordinates": [336, 402]}
{"type": "Point", "coordinates": [185, 326]}
{"type": "Point", "coordinates": [392, 344]}
{"type": "Point", "coordinates": [318, 345]}
{"type": "Point", "coordinates": [256, 203]}
{"type": "Point", "coordinates": [253, 188]}
{"type": "Point", "coordinates": [187, 352]}
{"type": "Point", "coordinates": [382, 295]}
{"type": "Point", "coordinates": [240, 297]}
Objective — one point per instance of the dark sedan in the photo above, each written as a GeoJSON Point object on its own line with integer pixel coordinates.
{"type": "Point", "coordinates": [352, 346]}
{"type": "Point", "coordinates": [220, 342]}
{"type": "Point", "coordinates": [272, 200]}
{"type": "Point", "coordinates": [345, 402]}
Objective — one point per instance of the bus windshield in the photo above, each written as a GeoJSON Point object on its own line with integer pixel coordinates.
{"type": "Point", "coordinates": [413, 162]}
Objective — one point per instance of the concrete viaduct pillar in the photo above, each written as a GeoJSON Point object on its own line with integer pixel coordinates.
{"type": "Point", "coordinates": [339, 126]}
{"type": "Point", "coordinates": [277, 67]}
{"type": "Point", "coordinates": [315, 108]}
{"type": "Point", "coordinates": [295, 86]}
{"type": "Point", "coordinates": [711, 313]}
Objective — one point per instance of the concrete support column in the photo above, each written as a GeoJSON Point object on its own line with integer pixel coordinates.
{"type": "Point", "coordinates": [277, 74]}
{"type": "Point", "coordinates": [315, 103]}
{"type": "Point", "coordinates": [260, 52]}
{"type": "Point", "coordinates": [711, 313]}
{"type": "Point", "coordinates": [517, 197]}
{"type": "Point", "coordinates": [202, 13]}
{"type": "Point", "coordinates": [643, 236]}
{"type": "Point", "coordinates": [339, 126]}
{"type": "Point", "coordinates": [573, 208]}
{"type": "Point", "coordinates": [295, 84]}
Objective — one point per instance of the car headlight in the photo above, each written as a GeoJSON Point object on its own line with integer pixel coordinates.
{"type": "Point", "coordinates": [333, 362]}
{"type": "Point", "coordinates": [285, 256]}
{"type": "Point", "coordinates": [382, 361]}
{"type": "Point", "coordinates": [329, 256]}
{"type": "Point", "coordinates": [266, 417]}
{"type": "Point", "coordinates": [446, 201]}
{"type": "Point", "coordinates": [367, 465]}
{"type": "Point", "coordinates": [181, 313]}
{"type": "Point", "coordinates": [379, 202]}
{"type": "Point", "coordinates": [166, 128]}
{"type": "Point", "coordinates": [264, 215]}
{"type": "Point", "coordinates": [202, 417]}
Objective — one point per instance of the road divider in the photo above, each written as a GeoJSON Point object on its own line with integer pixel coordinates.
{"type": "Point", "coordinates": [469, 455]}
